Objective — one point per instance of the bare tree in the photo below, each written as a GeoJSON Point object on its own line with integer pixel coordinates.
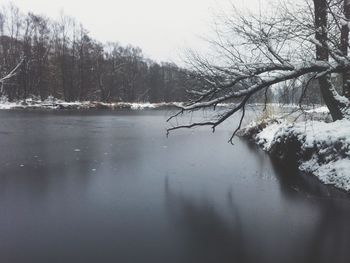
{"type": "Point", "coordinates": [61, 59]}
{"type": "Point", "coordinates": [254, 53]}
{"type": "Point", "coordinates": [10, 75]}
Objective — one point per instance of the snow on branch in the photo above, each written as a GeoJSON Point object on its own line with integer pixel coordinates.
{"type": "Point", "coordinates": [254, 54]}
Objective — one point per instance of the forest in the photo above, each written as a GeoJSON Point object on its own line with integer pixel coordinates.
{"type": "Point", "coordinates": [60, 59]}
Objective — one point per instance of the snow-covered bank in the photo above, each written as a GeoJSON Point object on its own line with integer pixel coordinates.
{"type": "Point", "coordinates": [56, 104]}
{"type": "Point", "coordinates": [320, 148]}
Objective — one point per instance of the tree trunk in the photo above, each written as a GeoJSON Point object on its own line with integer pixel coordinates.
{"type": "Point", "coordinates": [322, 54]}
{"type": "Point", "coordinates": [344, 44]}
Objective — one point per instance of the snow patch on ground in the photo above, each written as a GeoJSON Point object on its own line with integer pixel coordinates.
{"type": "Point", "coordinates": [140, 106]}
{"type": "Point", "coordinates": [53, 104]}
{"type": "Point", "coordinates": [5, 104]}
{"type": "Point", "coordinates": [336, 173]}
{"type": "Point", "coordinates": [323, 109]}
{"type": "Point", "coordinates": [266, 136]}
{"type": "Point", "coordinates": [324, 147]}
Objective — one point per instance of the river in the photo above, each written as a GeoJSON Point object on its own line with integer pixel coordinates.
{"type": "Point", "coordinates": [108, 186]}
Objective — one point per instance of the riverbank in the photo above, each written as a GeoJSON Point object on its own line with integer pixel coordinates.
{"type": "Point", "coordinates": [57, 104]}
{"type": "Point", "coordinates": [318, 147]}
{"type": "Point", "coordinates": [52, 103]}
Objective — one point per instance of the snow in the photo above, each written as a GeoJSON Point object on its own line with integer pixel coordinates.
{"type": "Point", "coordinates": [140, 106]}
{"type": "Point", "coordinates": [6, 105]}
{"type": "Point", "coordinates": [336, 173]}
{"type": "Point", "coordinates": [328, 143]}
{"type": "Point", "coordinates": [33, 103]}
{"type": "Point", "coordinates": [266, 136]}
{"type": "Point", "coordinates": [323, 109]}
{"type": "Point", "coordinates": [53, 103]}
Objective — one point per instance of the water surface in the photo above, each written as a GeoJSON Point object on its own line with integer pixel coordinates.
{"type": "Point", "coordinates": [110, 187]}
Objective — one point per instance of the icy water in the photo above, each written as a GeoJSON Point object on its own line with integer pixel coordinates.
{"type": "Point", "coordinates": [110, 187]}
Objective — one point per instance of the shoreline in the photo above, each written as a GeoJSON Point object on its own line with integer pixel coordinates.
{"type": "Point", "coordinates": [52, 103]}
{"type": "Point", "coordinates": [318, 148]}
{"type": "Point", "coordinates": [56, 104]}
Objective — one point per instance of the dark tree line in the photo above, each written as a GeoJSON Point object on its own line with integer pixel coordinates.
{"type": "Point", "coordinates": [60, 59]}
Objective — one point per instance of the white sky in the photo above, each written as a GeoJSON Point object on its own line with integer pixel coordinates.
{"type": "Point", "coordinates": [162, 28]}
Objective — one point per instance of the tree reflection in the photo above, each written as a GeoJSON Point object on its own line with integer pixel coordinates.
{"type": "Point", "coordinates": [209, 237]}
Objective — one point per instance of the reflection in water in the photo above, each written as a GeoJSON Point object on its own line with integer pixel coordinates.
{"type": "Point", "coordinates": [216, 234]}
{"type": "Point", "coordinates": [331, 235]}
{"type": "Point", "coordinates": [208, 236]}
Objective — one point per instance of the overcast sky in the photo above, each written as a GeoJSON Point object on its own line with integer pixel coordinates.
{"type": "Point", "coordinates": [162, 28]}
